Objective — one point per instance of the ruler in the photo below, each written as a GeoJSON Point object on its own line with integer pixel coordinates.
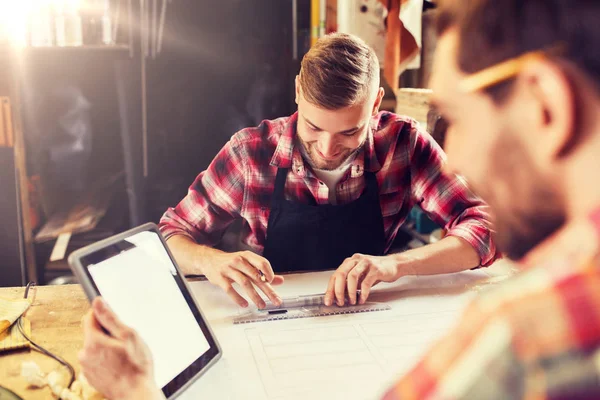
{"type": "Point", "coordinates": [307, 312]}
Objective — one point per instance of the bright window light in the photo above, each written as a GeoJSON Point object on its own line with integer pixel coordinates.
{"type": "Point", "coordinates": [15, 16]}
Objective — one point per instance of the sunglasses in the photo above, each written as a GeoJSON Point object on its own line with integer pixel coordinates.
{"type": "Point", "coordinates": [505, 70]}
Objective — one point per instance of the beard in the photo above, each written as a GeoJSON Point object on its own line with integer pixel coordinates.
{"type": "Point", "coordinates": [517, 238]}
{"type": "Point", "coordinates": [315, 161]}
{"type": "Point", "coordinates": [527, 206]}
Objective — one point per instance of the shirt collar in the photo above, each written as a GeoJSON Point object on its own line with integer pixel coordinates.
{"type": "Point", "coordinates": [283, 156]}
{"type": "Point", "coordinates": [288, 156]}
{"type": "Point", "coordinates": [366, 160]}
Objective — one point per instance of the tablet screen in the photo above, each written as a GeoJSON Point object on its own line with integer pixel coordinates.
{"type": "Point", "coordinates": [138, 280]}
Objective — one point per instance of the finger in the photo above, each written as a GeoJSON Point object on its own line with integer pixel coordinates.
{"type": "Point", "coordinates": [366, 285]}
{"type": "Point", "coordinates": [246, 268]}
{"type": "Point", "coordinates": [89, 325]}
{"type": "Point", "coordinates": [267, 289]}
{"type": "Point", "coordinates": [277, 280]}
{"type": "Point", "coordinates": [82, 358]}
{"type": "Point", "coordinates": [95, 343]}
{"type": "Point", "coordinates": [340, 281]}
{"type": "Point", "coordinates": [247, 286]}
{"type": "Point", "coordinates": [243, 265]}
{"type": "Point", "coordinates": [86, 324]}
{"type": "Point", "coordinates": [108, 319]}
{"type": "Point", "coordinates": [260, 263]}
{"type": "Point", "coordinates": [329, 292]}
{"type": "Point", "coordinates": [354, 277]}
{"type": "Point", "coordinates": [340, 289]}
{"type": "Point", "coordinates": [94, 336]}
{"type": "Point", "coordinates": [92, 330]}
{"type": "Point", "coordinates": [235, 296]}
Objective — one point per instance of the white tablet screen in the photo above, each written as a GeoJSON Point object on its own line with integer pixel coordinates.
{"type": "Point", "coordinates": [139, 283]}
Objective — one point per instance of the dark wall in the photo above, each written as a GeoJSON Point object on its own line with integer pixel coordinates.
{"type": "Point", "coordinates": [224, 65]}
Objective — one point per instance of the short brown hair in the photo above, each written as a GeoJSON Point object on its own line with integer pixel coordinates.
{"type": "Point", "coordinates": [492, 31]}
{"type": "Point", "coordinates": [338, 71]}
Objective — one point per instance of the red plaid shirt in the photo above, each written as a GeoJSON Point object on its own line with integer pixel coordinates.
{"type": "Point", "coordinates": [535, 336]}
{"type": "Point", "coordinates": [407, 162]}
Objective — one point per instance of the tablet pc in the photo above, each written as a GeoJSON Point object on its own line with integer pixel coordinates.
{"type": "Point", "coordinates": [138, 277]}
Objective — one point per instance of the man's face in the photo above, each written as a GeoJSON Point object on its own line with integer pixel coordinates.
{"type": "Point", "coordinates": [492, 147]}
{"type": "Point", "coordinates": [330, 137]}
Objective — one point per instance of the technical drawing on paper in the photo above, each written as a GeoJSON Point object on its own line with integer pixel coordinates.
{"type": "Point", "coordinates": [343, 360]}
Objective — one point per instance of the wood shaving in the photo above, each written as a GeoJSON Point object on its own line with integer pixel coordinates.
{"type": "Point", "coordinates": [76, 388]}
{"type": "Point", "coordinates": [88, 392]}
{"type": "Point", "coordinates": [33, 375]}
{"type": "Point", "coordinates": [56, 381]}
{"type": "Point", "coordinates": [66, 394]}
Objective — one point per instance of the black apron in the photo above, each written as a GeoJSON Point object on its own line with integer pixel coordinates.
{"type": "Point", "coordinates": [303, 237]}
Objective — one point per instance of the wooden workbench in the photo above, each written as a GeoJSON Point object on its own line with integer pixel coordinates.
{"type": "Point", "coordinates": [55, 317]}
{"type": "Point", "coordinates": [57, 311]}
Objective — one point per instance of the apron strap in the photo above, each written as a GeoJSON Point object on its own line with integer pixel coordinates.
{"type": "Point", "coordinates": [278, 192]}
{"type": "Point", "coordinates": [371, 181]}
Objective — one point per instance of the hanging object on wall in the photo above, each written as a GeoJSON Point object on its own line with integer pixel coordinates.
{"type": "Point", "coordinates": [391, 27]}
{"type": "Point", "coordinates": [411, 18]}
{"type": "Point", "coordinates": [365, 19]}
{"type": "Point", "coordinates": [403, 37]}
{"type": "Point", "coordinates": [331, 24]}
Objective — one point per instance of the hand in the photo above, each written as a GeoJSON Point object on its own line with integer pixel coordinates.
{"type": "Point", "coordinates": [244, 268]}
{"type": "Point", "coordinates": [359, 272]}
{"type": "Point", "coordinates": [118, 365]}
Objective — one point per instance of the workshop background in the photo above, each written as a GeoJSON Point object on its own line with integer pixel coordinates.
{"type": "Point", "coordinates": [110, 108]}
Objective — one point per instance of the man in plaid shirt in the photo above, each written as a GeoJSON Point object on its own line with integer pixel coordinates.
{"type": "Point", "coordinates": [327, 188]}
{"type": "Point", "coordinates": [519, 83]}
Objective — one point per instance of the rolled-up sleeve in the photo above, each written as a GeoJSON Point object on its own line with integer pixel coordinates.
{"type": "Point", "coordinates": [447, 199]}
{"type": "Point", "coordinates": [213, 202]}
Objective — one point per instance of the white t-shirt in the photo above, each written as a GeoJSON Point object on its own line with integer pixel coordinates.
{"type": "Point", "coordinates": [331, 178]}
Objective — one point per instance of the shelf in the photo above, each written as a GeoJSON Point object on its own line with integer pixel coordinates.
{"type": "Point", "coordinates": [116, 51]}
{"type": "Point", "coordinates": [77, 49]}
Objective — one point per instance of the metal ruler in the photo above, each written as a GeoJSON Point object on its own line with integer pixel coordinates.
{"type": "Point", "coordinates": [307, 312]}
